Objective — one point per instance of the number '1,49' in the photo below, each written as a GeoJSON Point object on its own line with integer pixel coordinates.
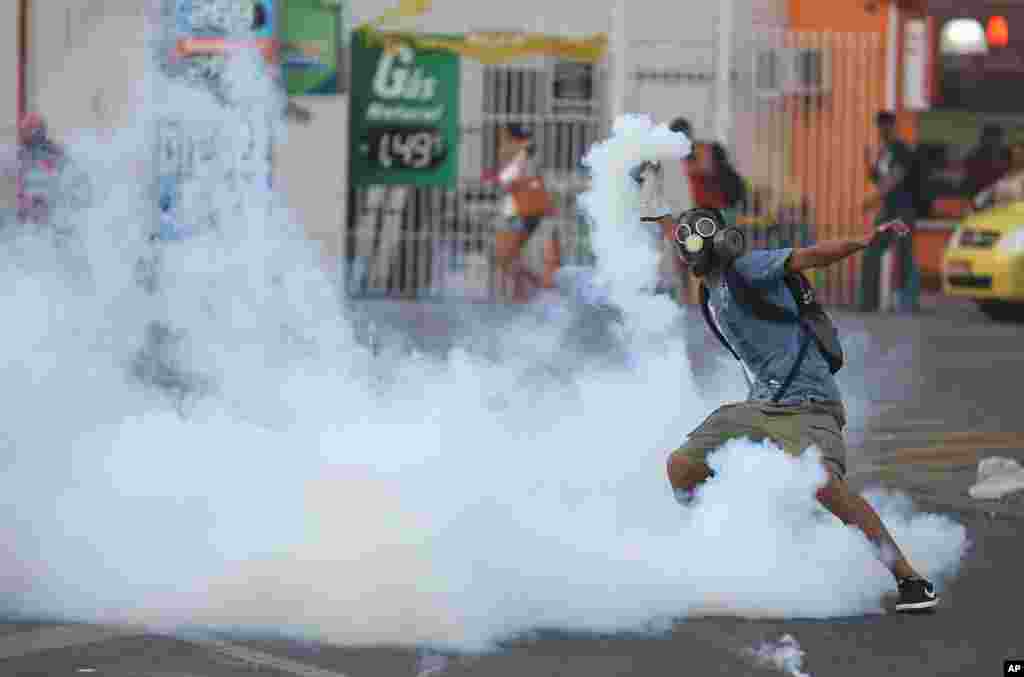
{"type": "Point", "coordinates": [410, 150]}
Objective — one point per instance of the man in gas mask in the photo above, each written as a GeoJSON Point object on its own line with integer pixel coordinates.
{"type": "Point", "coordinates": [763, 310]}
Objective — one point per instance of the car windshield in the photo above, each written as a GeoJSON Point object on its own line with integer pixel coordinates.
{"type": "Point", "coordinates": [1007, 190]}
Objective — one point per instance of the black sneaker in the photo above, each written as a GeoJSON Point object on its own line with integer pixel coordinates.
{"type": "Point", "coordinates": [916, 594]}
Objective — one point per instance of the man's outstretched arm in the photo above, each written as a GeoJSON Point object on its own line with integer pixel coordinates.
{"type": "Point", "coordinates": [826, 253]}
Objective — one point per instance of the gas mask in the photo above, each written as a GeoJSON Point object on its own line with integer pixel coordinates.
{"type": "Point", "coordinates": [703, 240]}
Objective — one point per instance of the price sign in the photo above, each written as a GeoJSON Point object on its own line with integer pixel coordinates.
{"type": "Point", "coordinates": [405, 148]}
{"type": "Point", "coordinates": [404, 115]}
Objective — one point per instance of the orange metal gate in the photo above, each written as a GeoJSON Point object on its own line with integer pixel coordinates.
{"type": "Point", "coordinates": [813, 97]}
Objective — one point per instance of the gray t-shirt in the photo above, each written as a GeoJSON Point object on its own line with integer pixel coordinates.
{"type": "Point", "coordinates": [769, 349]}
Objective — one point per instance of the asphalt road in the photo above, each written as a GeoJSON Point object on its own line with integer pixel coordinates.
{"type": "Point", "coordinates": [964, 404]}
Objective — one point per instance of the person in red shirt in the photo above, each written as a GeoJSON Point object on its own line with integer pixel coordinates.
{"type": "Point", "coordinates": [714, 183]}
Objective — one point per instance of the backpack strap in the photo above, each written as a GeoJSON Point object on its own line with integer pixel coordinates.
{"type": "Point", "coordinates": [816, 320]}
{"type": "Point", "coordinates": [808, 337]}
{"type": "Point", "coordinates": [706, 311]}
{"type": "Point", "coordinates": [750, 296]}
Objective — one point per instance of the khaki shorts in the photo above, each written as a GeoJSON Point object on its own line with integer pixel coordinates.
{"type": "Point", "coordinates": [792, 427]}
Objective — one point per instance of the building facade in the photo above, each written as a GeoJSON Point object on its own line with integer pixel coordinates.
{"type": "Point", "coordinates": [789, 87]}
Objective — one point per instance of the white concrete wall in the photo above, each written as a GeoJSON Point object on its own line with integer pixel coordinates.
{"type": "Point", "coordinates": [757, 31]}
{"type": "Point", "coordinates": [86, 59]}
{"type": "Point", "coordinates": [661, 40]}
{"type": "Point", "coordinates": [8, 102]}
{"type": "Point", "coordinates": [310, 169]}
{"type": "Point", "coordinates": [8, 69]}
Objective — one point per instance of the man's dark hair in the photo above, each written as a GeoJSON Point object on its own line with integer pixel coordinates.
{"type": "Point", "coordinates": [524, 134]}
{"type": "Point", "coordinates": [885, 118]}
{"type": "Point", "coordinates": [259, 16]}
{"type": "Point", "coordinates": [681, 125]}
{"type": "Point", "coordinates": [517, 131]}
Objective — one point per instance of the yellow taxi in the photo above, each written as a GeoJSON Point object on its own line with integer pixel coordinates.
{"type": "Point", "coordinates": [984, 260]}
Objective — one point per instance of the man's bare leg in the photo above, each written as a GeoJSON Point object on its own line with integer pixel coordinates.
{"type": "Point", "coordinates": [685, 475]}
{"type": "Point", "coordinates": [853, 509]}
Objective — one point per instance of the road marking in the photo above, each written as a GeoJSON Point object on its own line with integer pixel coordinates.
{"type": "Point", "coordinates": [988, 436]}
{"type": "Point", "coordinates": [922, 422]}
{"type": "Point", "coordinates": [65, 636]}
{"type": "Point", "coordinates": [262, 659]}
{"type": "Point", "coordinates": [947, 451]}
{"type": "Point", "coordinates": [929, 454]}
{"type": "Point", "coordinates": [953, 445]}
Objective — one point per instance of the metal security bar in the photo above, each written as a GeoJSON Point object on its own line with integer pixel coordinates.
{"type": "Point", "coordinates": [804, 104]}
{"type": "Point", "coordinates": [429, 242]}
{"type": "Point", "coordinates": [8, 173]}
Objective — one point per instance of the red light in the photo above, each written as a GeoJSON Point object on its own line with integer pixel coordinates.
{"type": "Point", "coordinates": [998, 31]}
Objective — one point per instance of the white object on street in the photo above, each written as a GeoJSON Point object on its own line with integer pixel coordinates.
{"type": "Point", "coordinates": [997, 477]}
{"type": "Point", "coordinates": [431, 664]}
{"type": "Point", "coordinates": [785, 655]}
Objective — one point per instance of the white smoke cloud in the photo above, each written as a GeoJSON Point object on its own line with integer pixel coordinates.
{"type": "Point", "coordinates": [309, 488]}
{"type": "Point", "coordinates": [626, 255]}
